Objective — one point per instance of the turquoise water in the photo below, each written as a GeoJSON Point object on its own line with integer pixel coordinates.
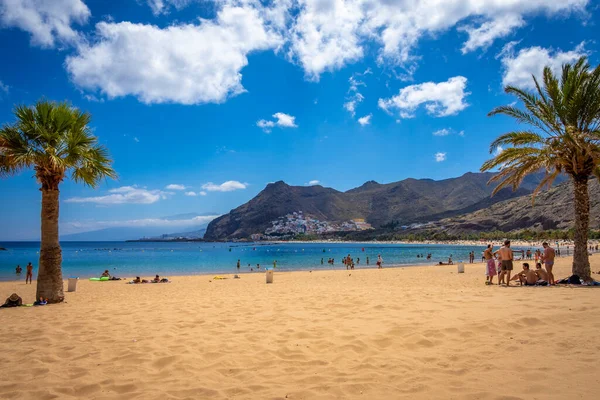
{"type": "Point", "coordinates": [88, 259]}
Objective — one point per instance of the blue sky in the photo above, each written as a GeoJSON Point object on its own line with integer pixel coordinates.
{"type": "Point", "coordinates": [222, 97]}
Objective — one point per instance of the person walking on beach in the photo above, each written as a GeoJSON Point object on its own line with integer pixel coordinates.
{"type": "Point", "coordinates": [490, 270]}
{"type": "Point", "coordinates": [548, 259]}
{"type": "Point", "coordinates": [29, 275]}
{"type": "Point", "coordinates": [507, 261]}
{"type": "Point", "coordinates": [379, 261]}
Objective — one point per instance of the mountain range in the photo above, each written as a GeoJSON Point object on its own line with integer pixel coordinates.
{"type": "Point", "coordinates": [189, 225]}
{"type": "Point", "coordinates": [405, 202]}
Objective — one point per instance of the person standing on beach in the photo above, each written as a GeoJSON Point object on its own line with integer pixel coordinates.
{"type": "Point", "coordinates": [490, 271]}
{"type": "Point", "coordinates": [348, 261]}
{"type": "Point", "coordinates": [379, 261]}
{"type": "Point", "coordinates": [548, 259]}
{"type": "Point", "coordinates": [29, 275]}
{"type": "Point", "coordinates": [238, 265]}
{"type": "Point", "coordinates": [507, 261]}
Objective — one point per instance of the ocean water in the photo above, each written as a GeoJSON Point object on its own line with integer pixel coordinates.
{"type": "Point", "coordinates": [89, 259]}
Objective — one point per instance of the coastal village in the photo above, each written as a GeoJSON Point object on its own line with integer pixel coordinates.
{"type": "Point", "coordinates": [299, 223]}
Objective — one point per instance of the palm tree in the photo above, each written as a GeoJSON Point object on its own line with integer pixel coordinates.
{"type": "Point", "coordinates": [53, 139]}
{"type": "Point", "coordinates": [563, 136]}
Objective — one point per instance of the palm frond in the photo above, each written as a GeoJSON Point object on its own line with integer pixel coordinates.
{"type": "Point", "coordinates": [54, 138]}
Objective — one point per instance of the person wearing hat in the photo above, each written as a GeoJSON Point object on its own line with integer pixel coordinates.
{"type": "Point", "coordinates": [14, 300]}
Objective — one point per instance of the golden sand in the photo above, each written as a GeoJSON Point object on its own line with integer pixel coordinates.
{"type": "Point", "coordinates": [403, 333]}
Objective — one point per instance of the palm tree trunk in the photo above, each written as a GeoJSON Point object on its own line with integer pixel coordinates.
{"type": "Point", "coordinates": [49, 281]}
{"type": "Point", "coordinates": [581, 261]}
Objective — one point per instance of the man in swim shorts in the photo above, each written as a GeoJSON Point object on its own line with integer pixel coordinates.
{"type": "Point", "coordinates": [490, 270]}
{"type": "Point", "coordinates": [506, 254]}
{"type": "Point", "coordinates": [548, 259]}
{"type": "Point", "coordinates": [527, 277]}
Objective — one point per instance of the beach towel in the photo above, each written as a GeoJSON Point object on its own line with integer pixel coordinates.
{"type": "Point", "coordinates": [491, 267]}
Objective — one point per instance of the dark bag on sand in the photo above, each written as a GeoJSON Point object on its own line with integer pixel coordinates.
{"type": "Point", "coordinates": [572, 280]}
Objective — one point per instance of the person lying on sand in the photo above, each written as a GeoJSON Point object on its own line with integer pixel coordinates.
{"type": "Point", "coordinates": [527, 277]}
{"type": "Point", "coordinates": [157, 279]}
{"type": "Point", "coordinates": [138, 280]}
{"type": "Point", "coordinates": [14, 300]}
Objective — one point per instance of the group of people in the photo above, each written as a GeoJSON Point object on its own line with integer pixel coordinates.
{"type": "Point", "coordinates": [238, 266]}
{"type": "Point", "coordinates": [29, 274]}
{"type": "Point", "coordinates": [349, 261]}
{"type": "Point", "coordinates": [500, 263]}
{"type": "Point", "coordinates": [157, 279]}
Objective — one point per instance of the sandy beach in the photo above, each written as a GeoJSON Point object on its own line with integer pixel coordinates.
{"type": "Point", "coordinates": [398, 333]}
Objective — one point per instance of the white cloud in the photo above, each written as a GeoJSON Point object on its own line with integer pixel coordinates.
{"type": "Point", "coordinates": [84, 226]}
{"type": "Point", "coordinates": [486, 33]}
{"type": "Point", "coordinates": [282, 120]}
{"type": "Point", "coordinates": [187, 63]}
{"type": "Point", "coordinates": [355, 97]}
{"type": "Point", "coordinates": [325, 35]}
{"type": "Point", "coordinates": [285, 120]}
{"type": "Point", "coordinates": [366, 120]}
{"type": "Point", "coordinates": [162, 6]}
{"type": "Point", "coordinates": [313, 182]}
{"type": "Point", "coordinates": [194, 194]}
{"type": "Point", "coordinates": [440, 99]}
{"type": "Point", "coordinates": [47, 21]}
{"type": "Point", "coordinates": [3, 88]}
{"type": "Point", "coordinates": [498, 150]}
{"type": "Point", "coordinates": [461, 133]}
{"type": "Point", "coordinates": [439, 157]}
{"type": "Point", "coordinates": [265, 125]}
{"type": "Point", "coordinates": [350, 105]}
{"type": "Point", "coordinates": [442, 132]}
{"type": "Point", "coordinates": [519, 67]}
{"type": "Point", "coordinates": [124, 195]}
{"type": "Point", "coordinates": [228, 186]}
{"type": "Point", "coordinates": [175, 186]}
{"type": "Point", "coordinates": [135, 139]}
{"type": "Point", "coordinates": [328, 34]}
